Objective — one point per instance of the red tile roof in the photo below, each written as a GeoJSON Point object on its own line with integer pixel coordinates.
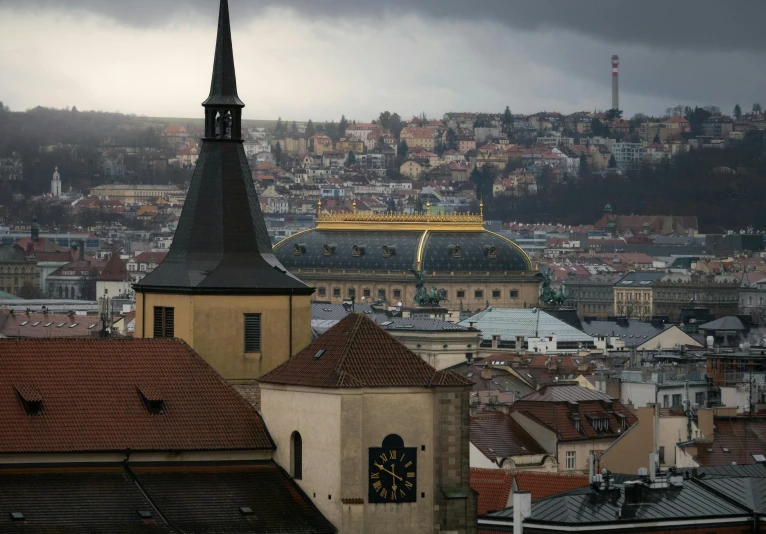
{"type": "Point", "coordinates": [494, 488]}
{"type": "Point", "coordinates": [91, 400]}
{"type": "Point", "coordinates": [146, 257]}
{"type": "Point", "coordinates": [47, 325]}
{"type": "Point", "coordinates": [742, 436]}
{"type": "Point", "coordinates": [115, 270]}
{"type": "Point", "coordinates": [499, 436]}
{"type": "Point", "coordinates": [543, 485]}
{"type": "Point", "coordinates": [357, 353]}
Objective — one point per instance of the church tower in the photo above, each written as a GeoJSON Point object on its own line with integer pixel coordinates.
{"type": "Point", "coordinates": [56, 184]}
{"type": "Point", "coordinates": [220, 288]}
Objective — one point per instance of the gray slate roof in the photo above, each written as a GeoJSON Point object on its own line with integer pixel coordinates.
{"type": "Point", "coordinates": [566, 393]}
{"type": "Point", "coordinates": [635, 333]}
{"type": "Point", "coordinates": [510, 323]}
{"type": "Point", "coordinates": [587, 507]}
{"type": "Point", "coordinates": [325, 316]}
{"type": "Point", "coordinates": [730, 322]}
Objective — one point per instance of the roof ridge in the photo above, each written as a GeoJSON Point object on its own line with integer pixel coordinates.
{"type": "Point", "coordinates": [351, 338]}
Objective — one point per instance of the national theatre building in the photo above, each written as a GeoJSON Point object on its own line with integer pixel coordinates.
{"type": "Point", "coordinates": [364, 256]}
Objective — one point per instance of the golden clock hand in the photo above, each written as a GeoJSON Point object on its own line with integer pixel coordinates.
{"type": "Point", "coordinates": [386, 470]}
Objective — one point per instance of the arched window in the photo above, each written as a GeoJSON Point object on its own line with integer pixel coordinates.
{"type": "Point", "coordinates": [296, 455]}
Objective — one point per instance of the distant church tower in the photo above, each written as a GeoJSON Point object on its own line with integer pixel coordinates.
{"type": "Point", "coordinates": [56, 184]}
{"type": "Point", "coordinates": [221, 289]}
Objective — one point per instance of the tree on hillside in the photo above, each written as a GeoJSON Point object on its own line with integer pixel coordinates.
{"type": "Point", "coordinates": [279, 128]}
{"type": "Point", "coordinates": [391, 208]}
{"type": "Point", "coordinates": [737, 112]}
{"type": "Point", "coordinates": [696, 117]}
{"type": "Point", "coordinates": [613, 114]}
{"type": "Point", "coordinates": [452, 141]}
{"type": "Point", "coordinates": [277, 151]}
{"type": "Point", "coordinates": [395, 124]}
{"type": "Point", "coordinates": [423, 118]}
{"type": "Point", "coordinates": [342, 125]}
{"type": "Point", "coordinates": [656, 139]}
{"type": "Point", "coordinates": [331, 130]}
{"type": "Point", "coordinates": [403, 148]}
{"type": "Point", "coordinates": [598, 128]}
{"type": "Point", "coordinates": [507, 120]}
{"type": "Point", "coordinates": [756, 108]}
{"type": "Point", "coordinates": [310, 130]}
{"type": "Point", "coordinates": [612, 162]}
{"type": "Point", "coordinates": [351, 160]}
{"type": "Point", "coordinates": [484, 179]}
{"type": "Point", "coordinates": [293, 129]}
{"type": "Point", "coordinates": [384, 119]}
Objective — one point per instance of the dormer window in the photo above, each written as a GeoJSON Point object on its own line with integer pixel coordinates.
{"type": "Point", "coordinates": [358, 250]}
{"type": "Point", "coordinates": [30, 398]}
{"type": "Point", "coordinates": [490, 251]}
{"type": "Point", "coordinates": [152, 399]}
{"type": "Point", "coordinates": [389, 250]}
{"type": "Point", "coordinates": [329, 249]}
{"type": "Point", "coordinates": [455, 251]}
{"type": "Point", "coordinates": [299, 249]}
{"type": "Point", "coordinates": [599, 422]}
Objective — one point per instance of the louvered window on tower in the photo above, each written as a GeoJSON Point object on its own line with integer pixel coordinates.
{"type": "Point", "coordinates": [252, 332]}
{"type": "Point", "coordinates": [163, 322]}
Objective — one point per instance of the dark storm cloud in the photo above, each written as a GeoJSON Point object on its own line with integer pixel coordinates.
{"type": "Point", "coordinates": [660, 24]}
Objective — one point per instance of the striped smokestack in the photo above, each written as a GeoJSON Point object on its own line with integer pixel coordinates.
{"type": "Point", "coordinates": [615, 82]}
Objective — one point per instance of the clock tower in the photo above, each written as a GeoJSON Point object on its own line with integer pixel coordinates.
{"type": "Point", "coordinates": [220, 288]}
{"type": "Point", "coordinates": [376, 437]}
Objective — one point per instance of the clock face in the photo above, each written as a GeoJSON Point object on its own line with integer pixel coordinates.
{"type": "Point", "coordinates": [392, 474]}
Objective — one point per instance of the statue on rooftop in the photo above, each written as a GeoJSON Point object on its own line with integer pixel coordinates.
{"type": "Point", "coordinates": [424, 297]}
{"type": "Point", "coordinates": [549, 296]}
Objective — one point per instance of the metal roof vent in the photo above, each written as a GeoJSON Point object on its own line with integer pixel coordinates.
{"type": "Point", "coordinates": [144, 514]}
{"type": "Point", "coordinates": [17, 516]}
{"type": "Point", "coordinates": [246, 510]}
{"type": "Point", "coordinates": [319, 354]}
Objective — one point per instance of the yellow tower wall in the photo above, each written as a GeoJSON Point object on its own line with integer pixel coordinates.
{"type": "Point", "coordinates": [214, 326]}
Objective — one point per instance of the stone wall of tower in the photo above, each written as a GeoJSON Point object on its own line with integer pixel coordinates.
{"type": "Point", "coordinates": [455, 502]}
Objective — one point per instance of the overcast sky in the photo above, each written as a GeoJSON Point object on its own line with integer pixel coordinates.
{"type": "Point", "coordinates": [302, 59]}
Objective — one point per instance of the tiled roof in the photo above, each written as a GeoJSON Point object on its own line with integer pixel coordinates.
{"type": "Point", "coordinates": [115, 270]}
{"type": "Point", "coordinates": [735, 439]}
{"type": "Point", "coordinates": [258, 498]}
{"type": "Point", "coordinates": [209, 499]}
{"type": "Point", "coordinates": [356, 353]}
{"type": "Point", "coordinates": [559, 417]}
{"type": "Point", "coordinates": [543, 485]}
{"type": "Point", "coordinates": [146, 257]}
{"type": "Point", "coordinates": [91, 400]}
{"type": "Point", "coordinates": [498, 436]}
{"type": "Point", "coordinates": [494, 488]}
{"type": "Point", "coordinates": [48, 325]}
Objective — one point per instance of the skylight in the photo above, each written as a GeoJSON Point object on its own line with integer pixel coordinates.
{"type": "Point", "coordinates": [60, 325]}
{"type": "Point", "coordinates": [386, 323]}
{"type": "Point", "coordinates": [759, 457]}
{"type": "Point", "coordinates": [24, 323]}
{"type": "Point", "coordinates": [35, 324]}
{"type": "Point", "coordinates": [73, 325]}
{"type": "Point", "coordinates": [47, 325]}
{"type": "Point", "coordinates": [319, 354]}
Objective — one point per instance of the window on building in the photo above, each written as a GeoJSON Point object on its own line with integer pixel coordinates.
{"type": "Point", "coordinates": [677, 400]}
{"type": "Point", "coordinates": [397, 293]}
{"type": "Point", "coordinates": [699, 398]}
{"type": "Point", "coordinates": [352, 292]}
{"type": "Point", "coordinates": [479, 294]}
{"type": "Point", "coordinates": [382, 294]}
{"type": "Point", "coordinates": [460, 294]}
{"type": "Point", "coordinates": [570, 460]}
{"type": "Point", "coordinates": [252, 332]}
{"type": "Point", "coordinates": [495, 293]}
{"type": "Point", "coordinates": [322, 291]}
{"type": "Point", "coordinates": [366, 293]}
{"type": "Point", "coordinates": [662, 454]}
{"type": "Point", "coordinates": [163, 322]}
{"type": "Point", "coordinates": [514, 293]}
{"type": "Point", "coordinates": [336, 292]}
{"type": "Point", "coordinates": [296, 458]}
{"type": "Point", "coordinates": [666, 401]}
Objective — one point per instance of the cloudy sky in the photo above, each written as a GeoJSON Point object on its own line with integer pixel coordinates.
{"type": "Point", "coordinates": [303, 59]}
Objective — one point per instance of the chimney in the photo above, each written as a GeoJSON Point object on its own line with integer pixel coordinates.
{"type": "Point", "coordinates": [615, 82]}
{"type": "Point", "coordinates": [705, 422]}
{"type": "Point", "coordinates": [522, 509]}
